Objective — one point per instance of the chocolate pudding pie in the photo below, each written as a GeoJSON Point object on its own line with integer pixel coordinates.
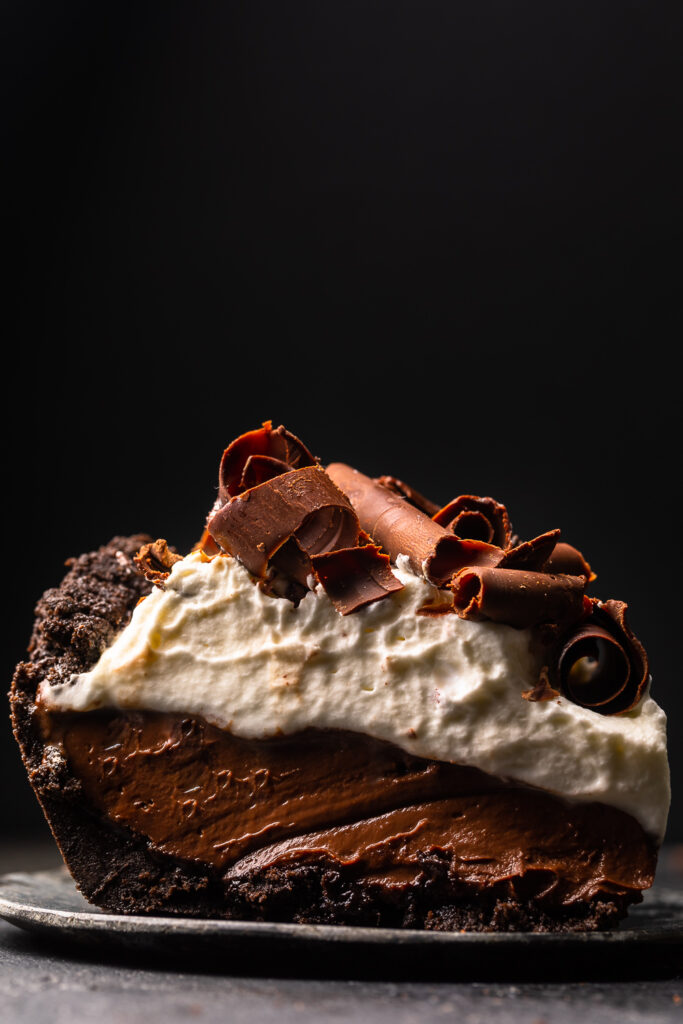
{"type": "Point", "coordinates": [348, 704]}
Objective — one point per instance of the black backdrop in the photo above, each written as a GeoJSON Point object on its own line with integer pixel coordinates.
{"type": "Point", "coordinates": [435, 239]}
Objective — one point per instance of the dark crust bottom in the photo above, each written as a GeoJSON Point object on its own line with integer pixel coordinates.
{"type": "Point", "coordinates": [120, 872]}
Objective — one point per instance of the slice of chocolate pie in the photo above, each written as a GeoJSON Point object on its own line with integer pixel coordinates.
{"type": "Point", "coordinates": [347, 705]}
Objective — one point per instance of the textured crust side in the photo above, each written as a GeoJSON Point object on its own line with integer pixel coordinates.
{"type": "Point", "coordinates": [74, 623]}
{"type": "Point", "coordinates": [121, 872]}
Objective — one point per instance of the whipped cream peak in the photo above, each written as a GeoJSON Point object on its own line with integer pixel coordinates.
{"type": "Point", "coordinates": [212, 643]}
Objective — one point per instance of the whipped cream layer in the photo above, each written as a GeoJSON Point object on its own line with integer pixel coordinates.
{"type": "Point", "coordinates": [213, 644]}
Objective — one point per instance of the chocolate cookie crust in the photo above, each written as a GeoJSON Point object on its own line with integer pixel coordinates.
{"type": "Point", "coordinates": [122, 872]}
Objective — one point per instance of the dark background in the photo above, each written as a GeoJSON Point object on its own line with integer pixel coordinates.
{"type": "Point", "coordinates": [435, 239]}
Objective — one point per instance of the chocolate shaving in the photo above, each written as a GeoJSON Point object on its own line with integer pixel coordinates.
{"type": "Point", "coordinates": [289, 571]}
{"type": "Point", "coordinates": [303, 503]}
{"type": "Point", "coordinates": [207, 545]}
{"type": "Point", "coordinates": [278, 511]}
{"type": "Point", "coordinates": [412, 496]}
{"type": "Point", "coordinates": [600, 664]}
{"type": "Point", "coordinates": [354, 577]}
{"type": "Point", "coordinates": [517, 598]}
{"type": "Point", "coordinates": [532, 555]}
{"type": "Point", "coordinates": [292, 561]}
{"type": "Point", "coordinates": [397, 522]}
{"type": "Point", "coordinates": [542, 691]}
{"type": "Point", "coordinates": [154, 561]}
{"type": "Point", "coordinates": [402, 529]}
{"type": "Point", "coordinates": [259, 468]}
{"type": "Point", "coordinates": [568, 559]}
{"type": "Point", "coordinates": [251, 459]}
{"type": "Point", "coordinates": [473, 518]}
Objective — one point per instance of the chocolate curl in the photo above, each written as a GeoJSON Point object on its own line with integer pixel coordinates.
{"type": "Point", "coordinates": [304, 504]}
{"type": "Point", "coordinates": [567, 559]}
{"type": "Point", "coordinates": [401, 529]}
{"type": "Point", "coordinates": [354, 577]}
{"type": "Point", "coordinates": [601, 665]}
{"type": "Point", "coordinates": [260, 455]}
{"type": "Point", "coordinates": [404, 490]}
{"type": "Point", "coordinates": [473, 518]}
{"type": "Point", "coordinates": [154, 561]}
{"type": "Point", "coordinates": [207, 545]}
{"type": "Point", "coordinates": [292, 562]}
{"type": "Point", "coordinates": [517, 598]}
{"type": "Point", "coordinates": [259, 468]}
{"type": "Point", "coordinates": [288, 572]}
{"type": "Point", "coordinates": [532, 555]}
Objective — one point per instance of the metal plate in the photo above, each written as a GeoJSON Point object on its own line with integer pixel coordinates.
{"type": "Point", "coordinates": [649, 942]}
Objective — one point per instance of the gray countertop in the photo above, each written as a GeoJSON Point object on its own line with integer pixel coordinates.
{"type": "Point", "coordinates": [40, 983]}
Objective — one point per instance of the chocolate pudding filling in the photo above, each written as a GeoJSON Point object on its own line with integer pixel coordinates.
{"type": "Point", "coordinates": [196, 792]}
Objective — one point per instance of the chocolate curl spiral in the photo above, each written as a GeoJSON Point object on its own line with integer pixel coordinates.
{"type": "Point", "coordinates": [354, 577]}
{"type": "Point", "coordinates": [517, 598]}
{"type": "Point", "coordinates": [207, 545]}
{"type": "Point", "coordinates": [303, 504]}
{"type": "Point", "coordinates": [486, 521]}
{"type": "Point", "coordinates": [401, 529]}
{"type": "Point", "coordinates": [473, 518]}
{"type": "Point", "coordinates": [600, 664]}
{"type": "Point", "coordinates": [568, 559]}
{"type": "Point", "coordinates": [280, 513]}
{"type": "Point", "coordinates": [260, 455]}
{"type": "Point", "coordinates": [532, 555]}
{"type": "Point", "coordinates": [413, 497]}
